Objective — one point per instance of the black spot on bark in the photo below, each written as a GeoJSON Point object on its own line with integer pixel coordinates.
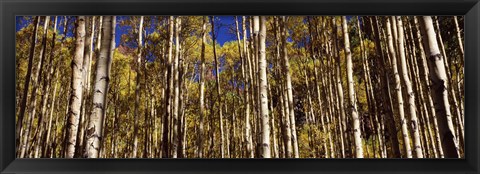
{"type": "Point", "coordinates": [98, 105]}
{"type": "Point", "coordinates": [105, 78]}
{"type": "Point", "coordinates": [435, 57]}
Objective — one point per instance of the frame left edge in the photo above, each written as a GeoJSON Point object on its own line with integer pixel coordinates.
{"type": "Point", "coordinates": [7, 156]}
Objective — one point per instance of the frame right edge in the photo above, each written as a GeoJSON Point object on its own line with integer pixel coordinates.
{"type": "Point", "coordinates": [472, 50]}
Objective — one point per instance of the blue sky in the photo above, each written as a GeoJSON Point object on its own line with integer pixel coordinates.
{"type": "Point", "coordinates": [222, 28]}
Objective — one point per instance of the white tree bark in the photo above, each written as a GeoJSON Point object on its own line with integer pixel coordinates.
{"type": "Point", "coordinates": [248, 83]}
{"type": "Point", "coordinates": [137, 89]}
{"type": "Point", "coordinates": [219, 92]}
{"type": "Point", "coordinates": [351, 92]}
{"type": "Point", "coordinates": [439, 81]}
{"type": "Point", "coordinates": [202, 90]}
{"type": "Point", "coordinates": [265, 144]}
{"type": "Point", "coordinates": [103, 64]}
{"type": "Point", "coordinates": [398, 88]}
{"type": "Point", "coordinates": [408, 84]}
{"type": "Point", "coordinates": [76, 88]}
{"type": "Point", "coordinates": [289, 90]}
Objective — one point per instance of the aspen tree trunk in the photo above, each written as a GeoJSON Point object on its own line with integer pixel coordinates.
{"type": "Point", "coordinates": [328, 112]}
{"type": "Point", "coordinates": [456, 108]}
{"type": "Point", "coordinates": [459, 35]}
{"type": "Point", "coordinates": [428, 88]}
{"type": "Point", "coordinates": [247, 84]}
{"type": "Point", "coordinates": [311, 117]}
{"type": "Point", "coordinates": [168, 93]}
{"type": "Point", "coordinates": [272, 124]}
{"type": "Point", "coordinates": [460, 82]}
{"type": "Point", "coordinates": [285, 121]}
{"type": "Point", "coordinates": [451, 88]}
{"type": "Point", "coordinates": [398, 89]}
{"type": "Point", "coordinates": [254, 29]}
{"type": "Point", "coordinates": [249, 90]}
{"type": "Point", "coordinates": [87, 65]}
{"type": "Point", "coordinates": [439, 88]}
{"type": "Point", "coordinates": [145, 114]}
{"type": "Point", "coordinates": [219, 92]}
{"type": "Point", "coordinates": [263, 90]}
{"type": "Point", "coordinates": [211, 128]}
{"type": "Point", "coordinates": [27, 140]}
{"type": "Point", "coordinates": [26, 86]}
{"type": "Point", "coordinates": [176, 94]}
{"type": "Point", "coordinates": [289, 90]}
{"type": "Point", "coordinates": [329, 147]}
{"type": "Point", "coordinates": [137, 89]}
{"type": "Point", "coordinates": [332, 87]}
{"type": "Point", "coordinates": [64, 134]}
{"type": "Point", "coordinates": [115, 124]}
{"type": "Point", "coordinates": [66, 95]}
{"type": "Point", "coordinates": [459, 89]}
{"type": "Point", "coordinates": [202, 91]}
{"type": "Point", "coordinates": [371, 102]}
{"type": "Point", "coordinates": [98, 42]}
{"type": "Point", "coordinates": [102, 78]}
{"type": "Point", "coordinates": [338, 73]}
{"type": "Point", "coordinates": [47, 79]}
{"type": "Point", "coordinates": [76, 88]}
{"type": "Point", "coordinates": [183, 97]}
{"type": "Point", "coordinates": [99, 36]}
{"type": "Point", "coordinates": [47, 145]}
{"type": "Point", "coordinates": [180, 81]}
{"type": "Point", "coordinates": [425, 144]}
{"type": "Point", "coordinates": [242, 56]}
{"type": "Point", "coordinates": [351, 93]}
{"type": "Point", "coordinates": [408, 84]}
{"type": "Point", "coordinates": [377, 124]}
{"type": "Point", "coordinates": [423, 97]}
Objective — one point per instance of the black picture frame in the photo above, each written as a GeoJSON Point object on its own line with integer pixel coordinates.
{"type": "Point", "coordinates": [11, 8]}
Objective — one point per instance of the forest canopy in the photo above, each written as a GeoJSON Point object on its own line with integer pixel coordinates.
{"type": "Point", "coordinates": [240, 87]}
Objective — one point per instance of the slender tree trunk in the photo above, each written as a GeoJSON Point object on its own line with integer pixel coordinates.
{"type": "Point", "coordinates": [371, 102]}
{"type": "Point", "coordinates": [351, 93]}
{"type": "Point", "coordinates": [168, 93]}
{"type": "Point", "coordinates": [289, 90]}
{"type": "Point", "coordinates": [202, 91]}
{"type": "Point", "coordinates": [423, 96]}
{"type": "Point", "coordinates": [219, 93]}
{"type": "Point", "coordinates": [27, 139]}
{"type": "Point", "coordinates": [439, 85]}
{"type": "Point", "coordinates": [265, 144]}
{"type": "Point", "coordinates": [176, 94]}
{"type": "Point", "coordinates": [398, 88]}
{"type": "Point", "coordinates": [411, 94]}
{"type": "Point", "coordinates": [47, 80]}
{"type": "Point", "coordinates": [427, 83]}
{"type": "Point", "coordinates": [87, 62]}
{"type": "Point", "coordinates": [180, 82]}
{"type": "Point", "coordinates": [26, 85]}
{"type": "Point", "coordinates": [248, 85]}
{"type": "Point", "coordinates": [385, 103]}
{"type": "Point", "coordinates": [137, 89]}
{"type": "Point", "coordinates": [458, 82]}
{"type": "Point", "coordinates": [451, 88]}
{"type": "Point", "coordinates": [241, 52]}
{"type": "Point", "coordinates": [47, 145]}
{"type": "Point", "coordinates": [76, 88]}
{"type": "Point", "coordinates": [284, 123]}
{"type": "Point", "coordinates": [338, 73]}
{"type": "Point", "coordinates": [102, 78]}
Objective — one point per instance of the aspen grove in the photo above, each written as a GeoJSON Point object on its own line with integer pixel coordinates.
{"type": "Point", "coordinates": [240, 87]}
